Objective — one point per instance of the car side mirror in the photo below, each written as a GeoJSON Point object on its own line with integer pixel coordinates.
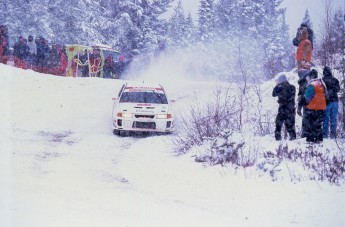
{"type": "Point", "coordinates": [114, 99]}
{"type": "Point", "coordinates": [172, 101]}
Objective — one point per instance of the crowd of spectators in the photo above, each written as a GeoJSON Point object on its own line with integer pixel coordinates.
{"type": "Point", "coordinates": [41, 56]}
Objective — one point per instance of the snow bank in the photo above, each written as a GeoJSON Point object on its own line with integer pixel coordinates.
{"type": "Point", "coordinates": [60, 165]}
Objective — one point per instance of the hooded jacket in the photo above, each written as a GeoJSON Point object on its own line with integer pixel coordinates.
{"type": "Point", "coordinates": [21, 50]}
{"type": "Point", "coordinates": [286, 93]}
{"type": "Point", "coordinates": [332, 85]}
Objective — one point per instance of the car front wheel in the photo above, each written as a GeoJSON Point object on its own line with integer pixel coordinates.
{"type": "Point", "coordinates": [117, 132]}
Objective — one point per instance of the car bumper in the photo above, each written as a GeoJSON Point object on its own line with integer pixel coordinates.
{"type": "Point", "coordinates": [144, 125]}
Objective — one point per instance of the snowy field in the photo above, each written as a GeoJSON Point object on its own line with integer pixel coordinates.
{"type": "Point", "coordinates": [60, 165]}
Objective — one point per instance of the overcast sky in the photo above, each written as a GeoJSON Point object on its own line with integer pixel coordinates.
{"type": "Point", "coordinates": [294, 14]}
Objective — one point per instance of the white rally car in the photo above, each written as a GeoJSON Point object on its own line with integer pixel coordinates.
{"type": "Point", "coordinates": [142, 107]}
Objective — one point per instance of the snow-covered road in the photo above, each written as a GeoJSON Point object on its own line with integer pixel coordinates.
{"type": "Point", "coordinates": [60, 165]}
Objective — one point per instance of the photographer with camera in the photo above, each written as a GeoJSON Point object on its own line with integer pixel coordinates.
{"type": "Point", "coordinates": [286, 113]}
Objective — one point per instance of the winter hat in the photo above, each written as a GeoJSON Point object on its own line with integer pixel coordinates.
{"type": "Point", "coordinates": [312, 74]}
{"type": "Point", "coordinates": [327, 71]}
{"type": "Point", "coordinates": [282, 78]}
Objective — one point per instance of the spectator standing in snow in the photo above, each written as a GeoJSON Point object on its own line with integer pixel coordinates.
{"type": "Point", "coordinates": [3, 44]}
{"type": "Point", "coordinates": [80, 63]}
{"type": "Point", "coordinates": [286, 112]}
{"type": "Point", "coordinates": [33, 50]}
{"type": "Point", "coordinates": [303, 53]}
{"type": "Point", "coordinates": [53, 58]}
{"type": "Point", "coordinates": [109, 67]}
{"type": "Point", "coordinates": [95, 62]}
{"type": "Point", "coordinates": [120, 66]}
{"type": "Point", "coordinates": [57, 61]}
{"type": "Point", "coordinates": [331, 114]}
{"type": "Point", "coordinates": [21, 52]}
{"type": "Point", "coordinates": [41, 52]}
{"type": "Point", "coordinates": [61, 69]}
{"type": "Point", "coordinates": [315, 96]}
{"type": "Point", "coordinates": [84, 60]}
{"type": "Point", "coordinates": [302, 82]}
{"type": "Point", "coordinates": [296, 41]}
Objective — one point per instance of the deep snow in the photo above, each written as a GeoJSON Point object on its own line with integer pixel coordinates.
{"type": "Point", "coordinates": [60, 165]}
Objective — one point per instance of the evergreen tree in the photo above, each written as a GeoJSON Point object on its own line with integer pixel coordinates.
{"type": "Point", "coordinates": [180, 29]}
{"type": "Point", "coordinates": [277, 47]}
{"type": "Point", "coordinates": [124, 24]}
{"type": "Point", "coordinates": [190, 29]}
{"type": "Point", "coordinates": [17, 16]}
{"type": "Point", "coordinates": [273, 31]}
{"type": "Point", "coordinates": [262, 23]}
{"type": "Point", "coordinates": [138, 23]}
{"type": "Point", "coordinates": [227, 16]}
{"type": "Point", "coordinates": [306, 19]}
{"type": "Point", "coordinates": [66, 27]}
{"type": "Point", "coordinates": [206, 19]}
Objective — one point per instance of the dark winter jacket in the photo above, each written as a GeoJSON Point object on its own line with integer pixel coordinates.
{"type": "Point", "coordinates": [83, 58]}
{"type": "Point", "coordinates": [333, 87]}
{"type": "Point", "coordinates": [286, 95]}
{"type": "Point", "coordinates": [109, 66]}
{"type": "Point", "coordinates": [311, 37]}
{"type": "Point", "coordinates": [42, 53]}
{"type": "Point", "coordinates": [21, 50]}
{"type": "Point", "coordinates": [302, 82]}
{"type": "Point", "coordinates": [53, 59]}
{"type": "Point", "coordinates": [42, 50]}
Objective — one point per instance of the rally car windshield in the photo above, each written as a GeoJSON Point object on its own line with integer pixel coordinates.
{"type": "Point", "coordinates": [144, 97]}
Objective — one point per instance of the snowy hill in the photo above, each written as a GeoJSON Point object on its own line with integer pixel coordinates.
{"type": "Point", "coordinates": [60, 165]}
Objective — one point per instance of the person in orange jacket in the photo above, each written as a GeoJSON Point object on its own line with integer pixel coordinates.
{"type": "Point", "coordinates": [315, 97]}
{"type": "Point", "coordinates": [304, 52]}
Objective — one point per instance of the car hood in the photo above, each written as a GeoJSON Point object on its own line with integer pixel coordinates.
{"type": "Point", "coordinates": [144, 108]}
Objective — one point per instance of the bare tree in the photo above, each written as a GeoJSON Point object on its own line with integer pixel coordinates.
{"type": "Point", "coordinates": [326, 50]}
{"type": "Point", "coordinates": [242, 69]}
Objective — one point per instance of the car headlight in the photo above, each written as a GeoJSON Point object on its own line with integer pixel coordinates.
{"type": "Point", "coordinates": [162, 116]}
{"type": "Point", "coordinates": [125, 115]}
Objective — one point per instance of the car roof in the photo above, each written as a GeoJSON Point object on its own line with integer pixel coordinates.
{"type": "Point", "coordinates": [143, 85]}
